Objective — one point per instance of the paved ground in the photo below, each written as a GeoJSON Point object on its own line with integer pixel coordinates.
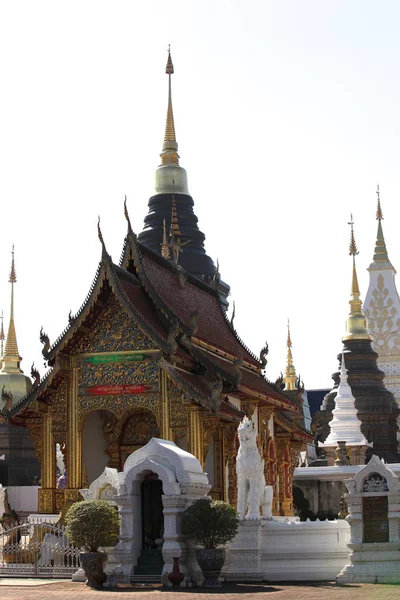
{"type": "Point", "coordinates": [37, 590]}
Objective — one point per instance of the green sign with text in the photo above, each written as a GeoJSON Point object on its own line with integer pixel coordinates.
{"type": "Point", "coordinates": [117, 357]}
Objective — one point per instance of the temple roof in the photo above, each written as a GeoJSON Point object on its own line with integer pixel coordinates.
{"type": "Point", "coordinates": [184, 318]}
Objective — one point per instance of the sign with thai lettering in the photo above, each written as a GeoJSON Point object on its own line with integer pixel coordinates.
{"type": "Point", "coordinates": [118, 357]}
{"type": "Point", "coordinates": [117, 390]}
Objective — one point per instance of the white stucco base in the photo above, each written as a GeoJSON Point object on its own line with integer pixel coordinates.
{"type": "Point", "coordinates": [288, 551]}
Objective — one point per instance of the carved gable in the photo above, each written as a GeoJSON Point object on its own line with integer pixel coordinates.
{"type": "Point", "coordinates": [114, 331]}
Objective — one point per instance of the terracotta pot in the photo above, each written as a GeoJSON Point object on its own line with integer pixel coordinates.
{"type": "Point", "coordinates": [92, 563]}
{"type": "Point", "coordinates": [176, 576]}
{"type": "Point", "coordinates": [211, 561]}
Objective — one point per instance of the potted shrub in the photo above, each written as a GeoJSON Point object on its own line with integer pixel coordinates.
{"type": "Point", "coordinates": [210, 523]}
{"type": "Point", "coordinates": [92, 524]}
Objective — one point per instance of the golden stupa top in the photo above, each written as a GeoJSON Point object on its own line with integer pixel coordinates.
{"type": "Point", "coordinates": [169, 170]}
{"type": "Point", "coordinates": [357, 328]}
{"type": "Point", "coordinates": [290, 372]}
{"type": "Point", "coordinates": [380, 254]}
{"type": "Point", "coordinates": [11, 357]}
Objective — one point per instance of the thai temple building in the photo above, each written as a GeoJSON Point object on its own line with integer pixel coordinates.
{"type": "Point", "coordinates": [20, 465]}
{"type": "Point", "coordinates": [376, 406]}
{"type": "Point", "coordinates": [382, 309]}
{"type": "Point", "coordinates": [151, 353]}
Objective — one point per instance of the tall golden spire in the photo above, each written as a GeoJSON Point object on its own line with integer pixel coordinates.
{"type": "Point", "coordinates": [356, 322]}
{"type": "Point", "coordinates": [290, 372]}
{"type": "Point", "coordinates": [169, 154]}
{"type": "Point", "coordinates": [169, 170]}
{"type": "Point", "coordinates": [11, 357]}
{"type": "Point", "coordinates": [380, 254]}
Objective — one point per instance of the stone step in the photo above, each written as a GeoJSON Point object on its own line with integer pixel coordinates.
{"type": "Point", "coordinates": [148, 570]}
{"type": "Point", "coordinates": [145, 579]}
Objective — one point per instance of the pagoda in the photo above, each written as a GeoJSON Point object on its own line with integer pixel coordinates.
{"type": "Point", "coordinates": [382, 309]}
{"type": "Point", "coordinates": [171, 202]}
{"type": "Point", "coordinates": [151, 353]}
{"type": "Point", "coordinates": [376, 406]}
{"type": "Point", "coordinates": [20, 464]}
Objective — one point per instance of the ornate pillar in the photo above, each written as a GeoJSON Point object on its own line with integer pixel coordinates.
{"type": "Point", "coordinates": [195, 442]}
{"type": "Point", "coordinates": [219, 469]}
{"type": "Point", "coordinates": [74, 438]}
{"type": "Point", "coordinates": [285, 486]}
{"type": "Point", "coordinates": [48, 467]}
{"type": "Point", "coordinates": [165, 430]}
{"type": "Point", "coordinates": [230, 452]}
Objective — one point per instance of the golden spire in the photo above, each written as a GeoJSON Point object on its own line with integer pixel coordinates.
{"type": "Point", "coordinates": [380, 254]}
{"type": "Point", "coordinates": [170, 177]}
{"type": "Point", "coordinates": [290, 372]}
{"type": "Point", "coordinates": [356, 322]}
{"type": "Point", "coordinates": [11, 357]}
{"type": "Point", "coordinates": [164, 245]}
{"type": "Point", "coordinates": [169, 154]}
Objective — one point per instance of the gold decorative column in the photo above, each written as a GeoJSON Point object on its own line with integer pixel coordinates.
{"type": "Point", "coordinates": [230, 452]}
{"type": "Point", "coordinates": [165, 429]}
{"type": "Point", "coordinates": [195, 442]}
{"type": "Point", "coordinates": [219, 468]}
{"type": "Point", "coordinates": [48, 467]}
{"type": "Point", "coordinates": [74, 438]}
{"type": "Point", "coordinates": [284, 466]}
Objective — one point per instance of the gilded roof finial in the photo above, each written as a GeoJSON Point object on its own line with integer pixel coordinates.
{"type": "Point", "coordinates": [169, 155]}
{"type": "Point", "coordinates": [356, 322]}
{"type": "Point", "coordinates": [290, 372]}
{"type": "Point", "coordinates": [11, 357]}
{"type": "Point", "coordinates": [380, 254]}
{"type": "Point", "coordinates": [164, 245]}
{"type": "Point", "coordinates": [170, 170]}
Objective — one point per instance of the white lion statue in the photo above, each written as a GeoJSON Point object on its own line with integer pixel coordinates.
{"type": "Point", "coordinates": [252, 491]}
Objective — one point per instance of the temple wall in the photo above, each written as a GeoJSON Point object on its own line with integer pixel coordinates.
{"type": "Point", "coordinates": [94, 446]}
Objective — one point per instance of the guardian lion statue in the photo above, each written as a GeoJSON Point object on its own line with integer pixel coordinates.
{"type": "Point", "coordinates": [252, 491]}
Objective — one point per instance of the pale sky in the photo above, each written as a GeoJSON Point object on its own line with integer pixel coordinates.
{"type": "Point", "coordinates": [287, 116]}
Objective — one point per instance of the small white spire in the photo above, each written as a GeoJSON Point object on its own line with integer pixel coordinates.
{"type": "Point", "coordinates": [345, 425]}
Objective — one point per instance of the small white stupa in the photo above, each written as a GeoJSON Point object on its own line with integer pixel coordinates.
{"type": "Point", "coordinates": [345, 425]}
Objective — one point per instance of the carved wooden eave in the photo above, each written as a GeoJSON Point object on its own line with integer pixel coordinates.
{"type": "Point", "coordinates": [286, 426]}
{"type": "Point", "coordinates": [206, 360]}
{"type": "Point", "coordinates": [274, 401]}
{"type": "Point", "coordinates": [202, 391]}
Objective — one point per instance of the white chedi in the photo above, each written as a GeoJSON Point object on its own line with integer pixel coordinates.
{"type": "Point", "coordinates": [252, 491]}
{"type": "Point", "coordinates": [345, 425]}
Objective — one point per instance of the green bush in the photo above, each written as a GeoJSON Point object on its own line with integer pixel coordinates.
{"type": "Point", "coordinates": [92, 524]}
{"type": "Point", "coordinates": [210, 523]}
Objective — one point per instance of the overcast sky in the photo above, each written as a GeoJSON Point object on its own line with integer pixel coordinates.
{"type": "Point", "coordinates": [287, 116]}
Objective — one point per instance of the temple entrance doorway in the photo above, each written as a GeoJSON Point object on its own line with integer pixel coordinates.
{"type": "Point", "coordinates": [152, 511]}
